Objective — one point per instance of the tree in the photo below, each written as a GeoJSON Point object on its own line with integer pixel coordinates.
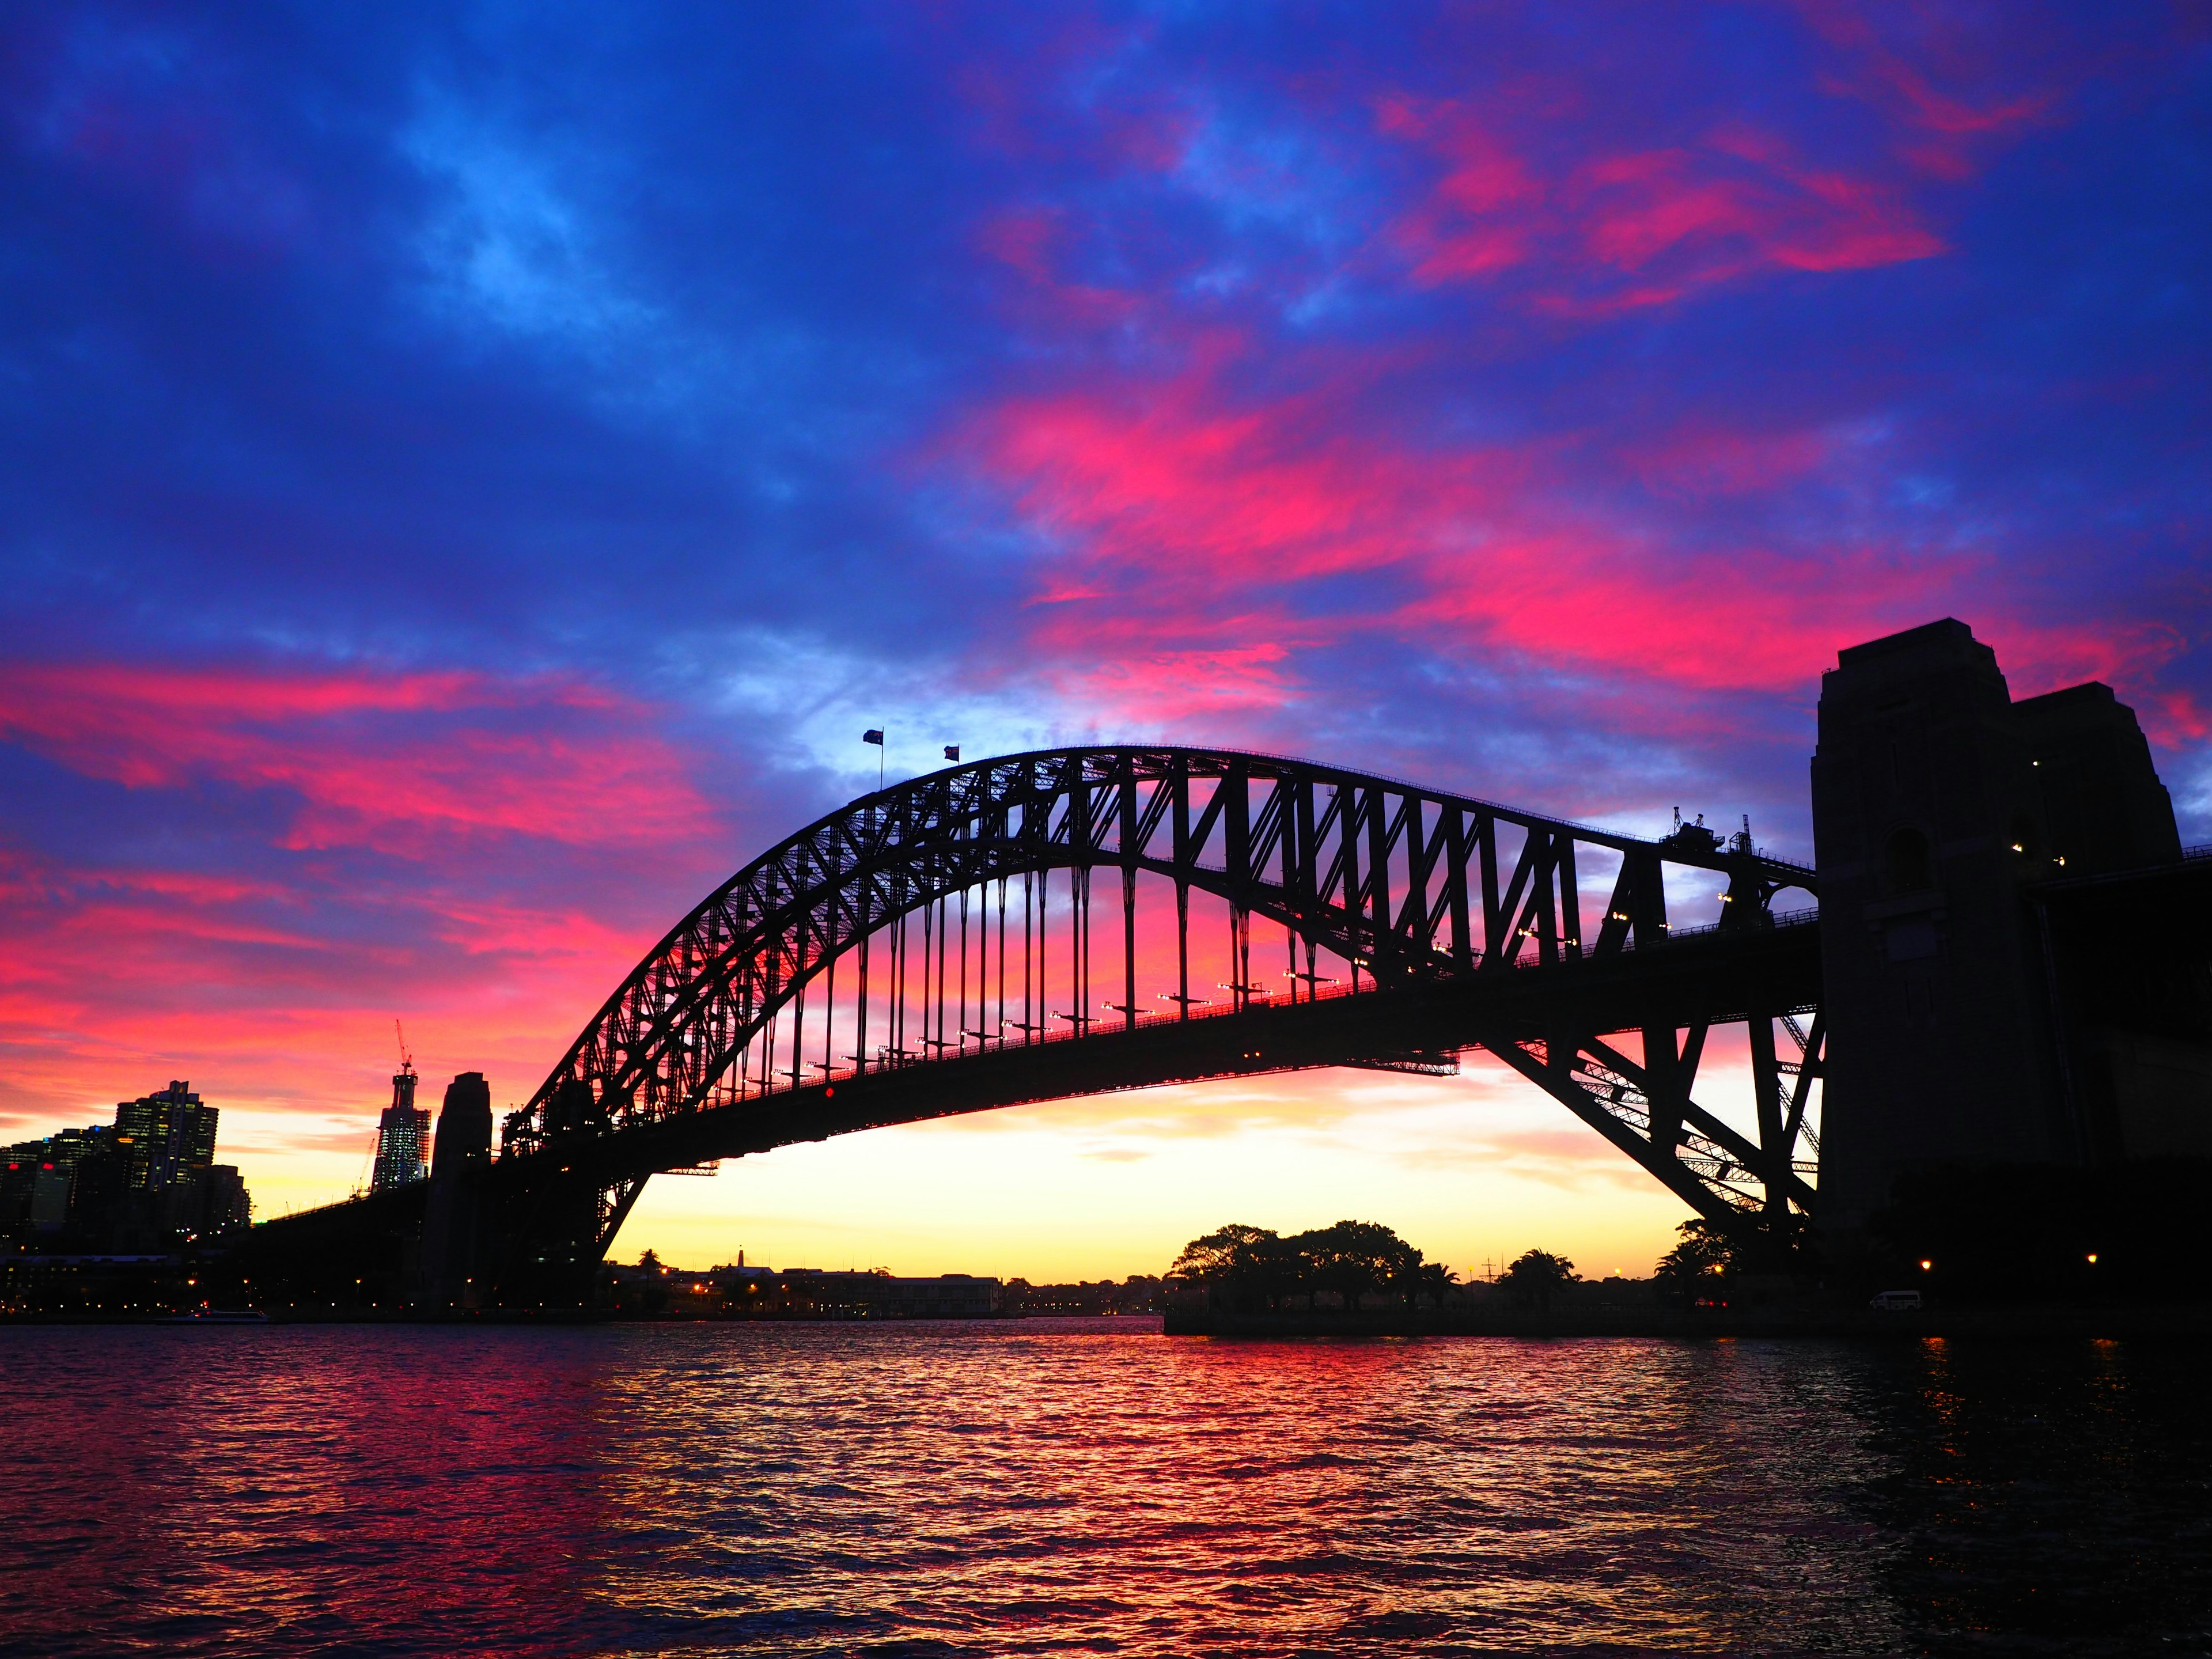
{"type": "Point", "coordinates": [1700, 1264]}
{"type": "Point", "coordinates": [1539, 1276]}
{"type": "Point", "coordinates": [1354, 1257]}
{"type": "Point", "coordinates": [1219, 1253]}
{"type": "Point", "coordinates": [1239, 1259]}
{"type": "Point", "coordinates": [1215, 1256]}
{"type": "Point", "coordinates": [1350, 1259]}
{"type": "Point", "coordinates": [1436, 1279]}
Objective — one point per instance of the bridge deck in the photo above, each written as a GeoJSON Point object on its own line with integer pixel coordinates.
{"type": "Point", "coordinates": [1710, 977]}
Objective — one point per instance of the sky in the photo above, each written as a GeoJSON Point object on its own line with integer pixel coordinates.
{"type": "Point", "coordinates": [468, 473]}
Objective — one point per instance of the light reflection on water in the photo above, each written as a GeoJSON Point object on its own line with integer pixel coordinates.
{"type": "Point", "coordinates": [1087, 1487]}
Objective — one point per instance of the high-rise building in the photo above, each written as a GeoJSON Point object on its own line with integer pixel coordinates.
{"type": "Point", "coordinates": [165, 1135]}
{"type": "Point", "coordinates": [403, 1137]}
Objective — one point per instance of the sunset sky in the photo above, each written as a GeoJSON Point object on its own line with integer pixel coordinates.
{"type": "Point", "coordinates": [472, 473]}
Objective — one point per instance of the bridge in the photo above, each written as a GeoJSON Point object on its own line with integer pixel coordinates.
{"type": "Point", "coordinates": [935, 948]}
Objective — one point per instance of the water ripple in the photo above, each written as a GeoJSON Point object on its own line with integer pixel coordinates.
{"type": "Point", "coordinates": [1072, 1486]}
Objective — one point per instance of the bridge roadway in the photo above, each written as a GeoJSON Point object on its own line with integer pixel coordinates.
{"type": "Point", "coordinates": [1713, 976]}
{"type": "Point", "coordinates": [368, 1252]}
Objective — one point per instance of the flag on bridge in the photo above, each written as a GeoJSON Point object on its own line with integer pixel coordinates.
{"type": "Point", "coordinates": [876, 737]}
{"type": "Point", "coordinates": [952, 752]}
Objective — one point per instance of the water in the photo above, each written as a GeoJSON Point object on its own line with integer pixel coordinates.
{"type": "Point", "coordinates": [1082, 1486]}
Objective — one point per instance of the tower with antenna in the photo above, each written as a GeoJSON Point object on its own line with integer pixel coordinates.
{"type": "Point", "coordinates": [402, 1133]}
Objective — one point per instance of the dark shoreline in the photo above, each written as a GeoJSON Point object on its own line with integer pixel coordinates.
{"type": "Point", "coordinates": [2191, 1321]}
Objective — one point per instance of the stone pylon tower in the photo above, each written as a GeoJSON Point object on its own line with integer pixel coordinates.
{"type": "Point", "coordinates": [1940, 806]}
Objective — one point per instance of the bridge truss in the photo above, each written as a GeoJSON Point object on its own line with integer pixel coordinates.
{"type": "Point", "coordinates": [943, 927]}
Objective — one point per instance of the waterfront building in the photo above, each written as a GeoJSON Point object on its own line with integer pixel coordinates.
{"type": "Point", "coordinates": [164, 1162]}
{"type": "Point", "coordinates": [225, 1205]}
{"type": "Point", "coordinates": [34, 1189]}
{"type": "Point", "coordinates": [105, 1212]}
{"type": "Point", "coordinates": [403, 1137]}
{"type": "Point", "coordinates": [18, 1180]}
{"type": "Point", "coordinates": [163, 1135]}
{"type": "Point", "coordinates": [948, 1295]}
{"type": "Point", "coordinates": [813, 1294]}
{"type": "Point", "coordinates": [144, 1182]}
{"type": "Point", "coordinates": [38, 1179]}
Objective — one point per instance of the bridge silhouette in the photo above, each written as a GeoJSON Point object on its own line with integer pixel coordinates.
{"type": "Point", "coordinates": [931, 949]}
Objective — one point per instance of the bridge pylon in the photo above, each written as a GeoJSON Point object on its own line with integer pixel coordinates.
{"type": "Point", "coordinates": [1966, 844]}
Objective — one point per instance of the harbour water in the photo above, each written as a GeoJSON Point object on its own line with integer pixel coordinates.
{"type": "Point", "coordinates": [1090, 1486]}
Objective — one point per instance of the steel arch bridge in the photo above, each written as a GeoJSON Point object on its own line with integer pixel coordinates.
{"type": "Point", "coordinates": [1413, 925]}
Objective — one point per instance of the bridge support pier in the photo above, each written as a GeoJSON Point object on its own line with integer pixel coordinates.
{"type": "Point", "coordinates": [1941, 810]}
{"type": "Point", "coordinates": [453, 1219]}
{"type": "Point", "coordinates": [542, 1243]}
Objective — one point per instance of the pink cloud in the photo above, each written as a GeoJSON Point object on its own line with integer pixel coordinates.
{"type": "Point", "coordinates": [1641, 209]}
{"type": "Point", "coordinates": [1636, 228]}
{"type": "Point", "coordinates": [1205, 496]}
{"type": "Point", "coordinates": [1746, 620]}
{"type": "Point", "coordinates": [382, 759]}
{"type": "Point", "coordinates": [154, 114]}
{"type": "Point", "coordinates": [1032, 244]}
{"type": "Point", "coordinates": [1699, 462]}
{"type": "Point", "coordinates": [1480, 217]}
{"type": "Point", "coordinates": [2176, 717]}
{"type": "Point", "coordinates": [1937, 131]}
{"type": "Point", "coordinates": [504, 815]}
{"type": "Point", "coordinates": [283, 991]}
{"type": "Point", "coordinates": [1186, 523]}
{"type": "Point", "coordinates": [1024, 238]}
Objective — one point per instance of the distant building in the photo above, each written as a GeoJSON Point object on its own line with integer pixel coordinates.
{"type": "Point", "coordinates": [19, 1176]}
{"type": "Point", "coordinates": [1139, 1293]}
{"type": "Point", "coordinates": [36, 1178]}
{"type": "Point", "coordinates": [812, 1293]}
{"type": "Point", "coordinates": [163, 1135]}
{"type": "Point", "coordinates": [226, 1207]}
{"type": "Point", "coordinates": [403, 1138]}
{"type": "Point", "coordinates": [948, 1295]}
{"type": "Point", "coordinates": [145, 1182]}
{"type": "Point", "coordinates": [156, 1192]}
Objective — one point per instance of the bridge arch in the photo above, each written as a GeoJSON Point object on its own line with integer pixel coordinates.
{"type": "Point", "coordinates": [1411, 895]}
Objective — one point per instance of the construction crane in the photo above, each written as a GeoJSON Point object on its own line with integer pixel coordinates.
{"type": "Point", "coordinates": [406, 1060]}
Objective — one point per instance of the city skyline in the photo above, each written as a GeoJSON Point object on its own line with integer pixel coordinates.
{"type": "Point", "coordinates": [475, 480]}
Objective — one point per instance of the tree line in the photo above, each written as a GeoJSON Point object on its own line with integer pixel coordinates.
{"type": "Point", "coordinates": [1248, 1266]}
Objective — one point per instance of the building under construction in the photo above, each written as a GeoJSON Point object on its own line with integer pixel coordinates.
{"type": "Point", "coordinates": [403, 1135]}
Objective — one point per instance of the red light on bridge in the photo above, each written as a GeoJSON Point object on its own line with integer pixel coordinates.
{"type": "Point", "coordinates": [1925, 1265]}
